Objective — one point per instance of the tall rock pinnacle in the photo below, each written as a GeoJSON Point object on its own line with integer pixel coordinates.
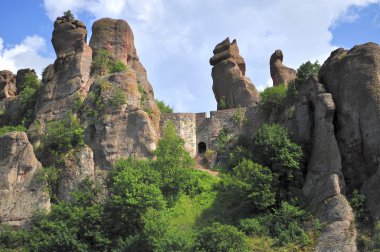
{"type": "Point", "coordinates": [280, 73]}
{"type": "Point", "coordinates": [231, 87]}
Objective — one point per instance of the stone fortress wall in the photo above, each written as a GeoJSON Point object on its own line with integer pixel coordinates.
{"type": "Point", "coordinates": [201, 132]}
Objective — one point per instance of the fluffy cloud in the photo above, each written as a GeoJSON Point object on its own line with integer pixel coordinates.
{"type": "Point", "coordinates": [27, 54]}
{"type": "Point", "coordinates": [175, 38]}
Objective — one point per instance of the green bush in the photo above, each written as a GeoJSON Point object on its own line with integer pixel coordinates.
{"type": "Point", "coordinates": [256, 181]}
{"type": "Point", "coordinates": [254, 226]}
{"type": "Point", "coordinates": [272, 147]}
{"type": "Point", "coordinates": [164, 108]}
{"type": "Point", "coordinates": [117, 66]}
{"type": "Point", "coordinates": [28, 97]}
{"type": "Point", "coordinates": [63, 135]}
{"type": "Point", "coordinates": [11, 238]}
{"type": "Point", "coordinates": [101, 62]}
{"type": "Point", "coordinates": [273, 98]}
{"type": "Point", "coordinates": [173, 162]}
{"type": "Point", "coordinates": [357, 202]}
{"type": "Point", "coordinates": [69, 15]}
{"type": "Point", "coordinates": [6, 129]}
{"type": "Point", "coordinates": [117, 97]}
{"type": "Point", "coordinates": [134, 188]}
{"type": "Point", "coordinates": [222, 238]}
{"type": "Point", "coordinates": [307, 69]}
{"type": "Point", "coordinates": [285, 225]}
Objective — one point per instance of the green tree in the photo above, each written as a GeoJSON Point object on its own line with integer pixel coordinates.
{"type": "Point", "coordinates": [307, 69]}
{"type": "Point", "coordinates": [173, 162]}
{"type": "Point", "coordinates": [273, 98]}
{"type": "Point", "coordinates": [69, 15]}
{"type": "Point", "coordinates": [164, 108]}
{"type": "Point", "coordinates": [134, 188]}
{"type": "Point", "coordinates": [117, 66]}
{"type": "Point", "coordinates": [221, 238]}
{"type": "Point", "coordinates": [272, 147]}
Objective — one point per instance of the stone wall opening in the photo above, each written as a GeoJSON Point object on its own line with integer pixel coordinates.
{"type": "Point", "coordinates": [202, 147]}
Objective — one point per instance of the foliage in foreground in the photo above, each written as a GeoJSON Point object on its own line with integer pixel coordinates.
{"type": "Point", "coordinates": [164, 108]}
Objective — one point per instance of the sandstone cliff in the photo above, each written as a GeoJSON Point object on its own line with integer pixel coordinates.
{"type": "Point", "coordinates": [22, 189]}
{"type": "Point", "coordinates": [232, 89]}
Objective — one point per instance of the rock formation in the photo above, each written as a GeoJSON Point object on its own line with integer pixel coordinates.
{"type": "Point", "coordinates": [131, 127]}
{"type": "Point", "coordinates": [324, 184]}
{"type": "Point", "coordinates": [7, 84]}
{"type": "Point", "coordinates": [68, 79]}
{"type": "Point", "coordinates": [352, 77]}
{"type": "Point", "coordinates": [280, 73]}
{"type": "Point", "coordinates": [21, 187]}
{"type": "Point", "coordinates": [232, 89]}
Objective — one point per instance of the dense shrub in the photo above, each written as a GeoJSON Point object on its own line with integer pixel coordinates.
{"type": "Point", "coordinates": [101, 62]}
{"type": "Point", "coordinates": [63, 135]}
{"type": "Point", "coordinates": [222, 238]}
{"type": "Point", "coordinates": [272, 147]}
{"type": "Point", "coordinates": [134, 188]}
{"type": "Point", "coordinates": [285, 224]}
{"type": "Point", "coordinates": [117, 66]}
{"type": "Point", "coordinates": [307, 69]}
{"type": "Point", "coordinates": [254, 226]}
{"type": "Point", "coordinates": [28, 97]}
{"type": "Point", "coordinates": [273, 98]}
{"type": "Point", "coordinates": [6, 129]}
{"type": "Point", "coordinates": [164, 108]}
{"type": "Point", "coordinates": [12, 238]}
{"type": "Point", "coordinates": [357, 202]}
{"type": "Point", "coordinates": [173, 163]}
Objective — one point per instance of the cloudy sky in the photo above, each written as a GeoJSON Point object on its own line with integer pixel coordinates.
{"type": "Point", "coordinates": [175, 38]}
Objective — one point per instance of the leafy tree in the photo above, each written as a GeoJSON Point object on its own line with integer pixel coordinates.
{"type": "Point", "coordinates": [256, 181]}
{"type": "Point", "coordinates": [272, 147]}
{"type": "Point", "coordinates": [28, 97]}
{"type": "Point", "coordinates": [307, 69]}
{"type": "Point", "coordinates": [273, 98]}
{"type": "Point", "coordinates": [222, 238]}
{"type": "Point", "coordinates": [63, 135]}
{"type": "Point", "coordinates": [133, 188]}
{"type": "Point", "coordinates": [173, 162]}
{"type": "Point", "coordinates": [164, 108]}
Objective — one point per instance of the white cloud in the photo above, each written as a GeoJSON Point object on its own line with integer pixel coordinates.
{"type": "Point", "coordinates": [27, 54]}
{"type": "Point", "coordinates": [175, 38]}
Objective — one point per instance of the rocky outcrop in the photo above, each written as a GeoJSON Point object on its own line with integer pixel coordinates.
{"type": "Point", "coordinates": [127, 126]}
{"type": "Point", "coordinates": [324, 185]}
{"type": "Point", "coordinates": [7, 84]}
{"type": "Point", "coordinates": [68, 79]}
{"type": "Point", "coordinates": [20, 78]}
{"type": "Point", "coordinates": [232, 89]}
{"type": "Point", "coordinates": [78, 166]}
{"type": "Point", "coordinates": [116, 36]}
{"type": "Point", "coordinates": [280, 73]}
{"type": "Point", "coordinates": [21, 183]}
{"type": "Point", "coordinates": [352, 77]}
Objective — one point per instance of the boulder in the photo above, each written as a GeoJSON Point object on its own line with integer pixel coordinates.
{"type": "Point", "coordinates": [22, 188]}
{"type": "Point", "coordinates": [352, 77]}
{"type": "Point", "coordinates": [232, 89]}
{"type": "Point", "coordinates": [7, 84]}
{"type": "Point", "coordinates": [280, 73]}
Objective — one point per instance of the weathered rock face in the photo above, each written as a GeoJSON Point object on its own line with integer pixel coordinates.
{"type": "Point", "coordinates": [130, 127]}
{"type": "Point", "coordinates": [324, 184]}
{"type": "Point", "coordinates": [68, 79]}
{"type": "Point", "coordinates": [122, 129]}
{"type": "Point", "coordinates": [352, 77]}
{"type": "Point", "coordinates": [20, 78]}
{"type": "Point", "coordinates": [232, 89]}
{"type": "Point", "coordinates": [280, 73]}
{"type": "Point", "coordinates": [21, 188]}
{"type": "Point", "coordinates": [77, 167]}
{"type": "Point", "coordinates": [7, 84]}
{"type": "Point", "coordinates": [116, 36]}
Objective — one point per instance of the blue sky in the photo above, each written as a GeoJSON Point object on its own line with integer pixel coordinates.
{"type": "Point", "coordinates": [175, 38]}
